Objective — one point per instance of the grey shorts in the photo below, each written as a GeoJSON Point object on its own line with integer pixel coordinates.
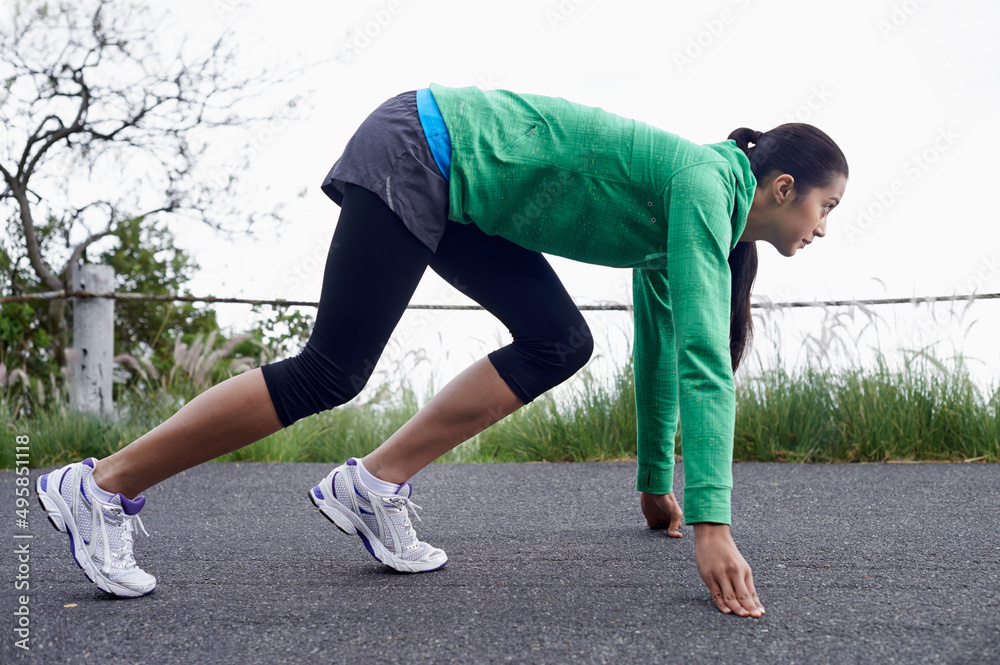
{"type": "Point", "coordinates": [389, 155]}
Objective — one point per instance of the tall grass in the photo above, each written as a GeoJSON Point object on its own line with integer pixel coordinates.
{"type": "Point", "coordinates": [594, 422]}
{"type": "Point", "coordinates": [925, 410]}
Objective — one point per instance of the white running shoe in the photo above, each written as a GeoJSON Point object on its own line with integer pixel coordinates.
{"type": "Point", "coordinates": [382, 522]}
{"type": "Point", "coordinates": [100, 532]}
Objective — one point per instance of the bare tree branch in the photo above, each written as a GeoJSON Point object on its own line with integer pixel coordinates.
{"type": "Point", "coordinates": [104, 116]}
{"type": "Point", "coordinates": [31, 241]}
{"type": "Point", "coordinates": [82, 247]}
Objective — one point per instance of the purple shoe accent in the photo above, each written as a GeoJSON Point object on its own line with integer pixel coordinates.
{"type": "Point", "coordinates": [45, 481]}
{"type": "Point", "coordinates": [318, 493]}
{"type": "Point", "coordinates": [333, 484]}
{"type": "Point", "coordinates": [406, 489]}
{"type": "Point", "coordinates": [352, 462]}
{"type": "Point", "coordinates": [361, 509]}
{"type": "Point", "coordinates": [359, 494]}
{"type": "Point", "coordinates": [84, 494]}
{"type": "Point", "coordinates": [90, 461]}
{"type": "Point", "coordinates": [132, 507]}
{"type": "Point", "coordinates": [368, 546]}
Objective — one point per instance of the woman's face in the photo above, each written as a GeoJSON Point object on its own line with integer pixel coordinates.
{"type": "Point", "coordinates": [793, 221]}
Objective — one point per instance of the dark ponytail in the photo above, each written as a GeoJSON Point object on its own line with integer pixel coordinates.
{"type": "Point", "coordinates": [813, 160]}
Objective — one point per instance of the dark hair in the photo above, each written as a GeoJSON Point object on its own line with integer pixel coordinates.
{"type": "Point", "coordinates": [811, 157]}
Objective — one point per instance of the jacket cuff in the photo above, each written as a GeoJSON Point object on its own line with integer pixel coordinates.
{"type": "Point", "coordinates": [654, 480]}
{"type": "Point", "coordinates": [707, 504]}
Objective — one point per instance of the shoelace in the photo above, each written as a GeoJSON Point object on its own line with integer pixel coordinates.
{"type": "Point", "coordinates": [402, 502]}
{"type": "Point", "coordinates": [125, 556]}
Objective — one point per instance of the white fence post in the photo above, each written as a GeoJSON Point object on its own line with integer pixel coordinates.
{"type": "Point", "coordinates": [93, 341]}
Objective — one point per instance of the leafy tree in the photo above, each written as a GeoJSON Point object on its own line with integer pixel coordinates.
{"type": "Point", "coordinates": [24, 340]}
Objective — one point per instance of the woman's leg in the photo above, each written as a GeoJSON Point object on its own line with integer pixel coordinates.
{"type": "Point", "coordinates": [227, 416]}
{"type": "Point", "coordinates": [468, 404]}
{"type": "Point", "coordinates": [551, 342]}
{"type": "Point", "coordinates": [372, 269]}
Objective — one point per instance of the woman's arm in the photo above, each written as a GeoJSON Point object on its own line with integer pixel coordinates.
{"type": "Point", "coordinates": [699, 204]}
{"type": "Point", "coordinates": [656, 399]}
{"type": "Point", "coordinates": [683, 372]}
{"type": "Point", "coordinates": [682, 349]}
{"type": "Point", "coordinates": [655, 369]}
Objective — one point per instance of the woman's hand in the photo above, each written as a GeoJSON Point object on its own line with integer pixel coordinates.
{"type": "Point", "coordinates": [725, 571]}
{"type": "Point", "coordinates": [662, 510]}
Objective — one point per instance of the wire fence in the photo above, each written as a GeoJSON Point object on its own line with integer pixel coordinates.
{"type": "Point", "coordinates": [116, 295]}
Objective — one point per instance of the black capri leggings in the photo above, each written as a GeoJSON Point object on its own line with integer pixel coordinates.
{"type": "Point", "coordinates": [372, 269]}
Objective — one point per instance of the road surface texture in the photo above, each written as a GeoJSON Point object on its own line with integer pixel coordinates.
{"type": "Point", "coordinates": [549, 563]}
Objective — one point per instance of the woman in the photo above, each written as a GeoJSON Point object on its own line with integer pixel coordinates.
{"type": "Point", "coordinates": [476, 185]}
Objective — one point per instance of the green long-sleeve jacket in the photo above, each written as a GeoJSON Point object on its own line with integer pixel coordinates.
{"type": "Point", "coordinates": [580, 182]}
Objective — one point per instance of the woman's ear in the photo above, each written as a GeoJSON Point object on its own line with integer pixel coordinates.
{"type": "Point", "coordinates": [783, 188]}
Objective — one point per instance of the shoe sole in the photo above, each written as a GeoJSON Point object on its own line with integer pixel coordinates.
{"type": "Point", "coordinates": [58, 512]}
{"type": "Point", "coordinates": [352, 525]}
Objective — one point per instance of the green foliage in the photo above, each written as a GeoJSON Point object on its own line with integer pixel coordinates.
{"type": "Point", "coordinates": [283, 331]}
{"type": "Point", "coordinates": [25, 341]}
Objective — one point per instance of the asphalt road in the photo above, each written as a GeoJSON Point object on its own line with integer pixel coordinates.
{"type": "Point", "coordinates": [549, 563]}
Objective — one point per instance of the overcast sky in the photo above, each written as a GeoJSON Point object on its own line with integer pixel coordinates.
{"type": "Point", "coordinates": [909, 90]}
